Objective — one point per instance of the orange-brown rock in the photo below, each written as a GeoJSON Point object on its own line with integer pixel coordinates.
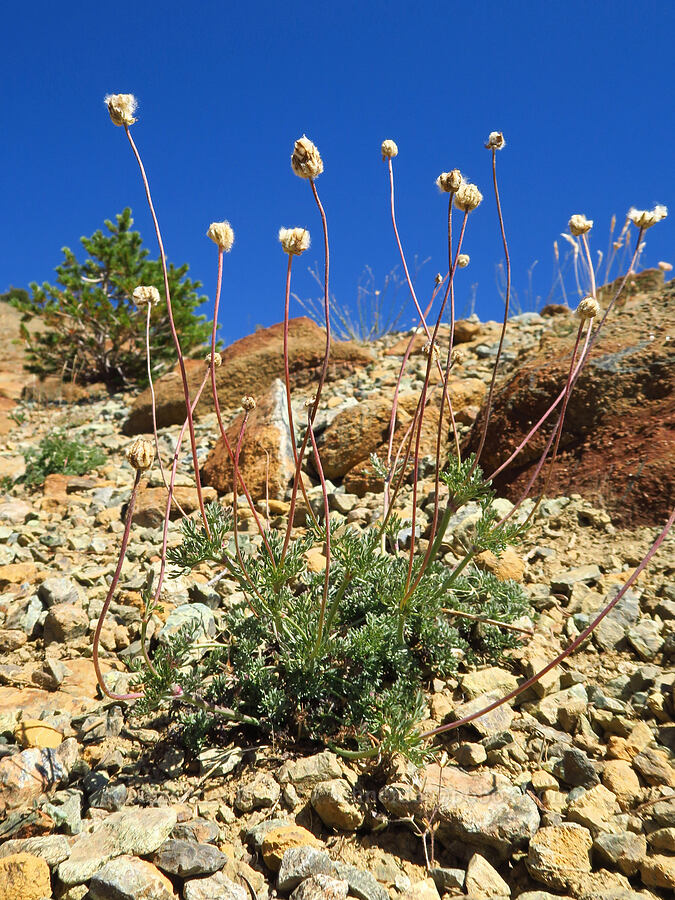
{"type": "Point", "coordinates": [617, 447]}
{"type": "Point", "coordinates": [18, 573]}
{"type": "Point", "coordinates": [249, 367]}
{"type": "Point", "coordinates": [266, 453]}
{"type": "Point", "coordinates": [24, 877]}
{"type": "Point", "coordinates": [353, 435]}
{"type": "Point", "coordinates": [150, 506]}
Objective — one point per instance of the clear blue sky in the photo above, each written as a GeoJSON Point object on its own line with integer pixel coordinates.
{"type": "Point", "coordinates": [579, 89]}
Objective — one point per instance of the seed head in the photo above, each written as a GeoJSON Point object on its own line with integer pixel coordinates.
{"type": "Point", "coordinates": [495, 141]}
{"type": "Point", "coordinates": [146, 293]}
{"type": "Point", "coordinates": [248, 403]}
{"type": "Point", "coordinates": [579, 224]}
{"type": "Point", "coordinates": [468, 197]}
{"type": "Point", "coordinates": [141, 454]}
{"type": "Point", "coordinates": [438, 279]}
{"type": "Point", "coordinates": [306, 160]}
{"type": "Point", "coordinates": [121, 108]}
{"type": "Point", "coordinates": [588, 308]}
{"type": "Point", "coordinates": [449, 182]}
{"type": "Point", "coordinates": [430, 348]}
{"type": "Point", "coordinates": [217, 359]}
{"type": "Point", "coordinates": [389, 149]}
{"type": "Point", "coordinates": [665, 266]}
{"type": "Point", "coordinates": [463, 260]}
{"type": "Point", "coordinates": [643, 218]}
{"type": "Point", "coordinates": [457, 358]}
{"type": "Point", "coordinates": [294, 240]}
{"type": "Point", "coordinates": [221, 233]}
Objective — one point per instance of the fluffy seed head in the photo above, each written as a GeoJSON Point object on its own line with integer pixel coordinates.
{"type": "Point", "coordinates": [495, 141]}
{"type": "Point", "coordinates": [457, 357]}
{"type": "Point", "coordinates": [579, 224]}
{"type": "Point", "coordinates": [217, 359]}
{"type": "Point", "coordinates": [221, 233]}
{"type": "Point", "coordinates": [588, 308]}
{"type": "Point", "coordinates": [463, 260]}
{"type": "Point", "coordinates": [141, 454]}
{"type": "Point", "coordinates": [146, 293]}
{"type": "Point", "coordinates": [121, 108]}
{"type": "Point", "coordinates": [294, 240]}
{"type": "Point", "coordinates": [468, 197]}
{"type": "Point", "coordinates": [665, 266]}
{"type": "Point", "coordinates": [248, 403]}
{"type": "Point", "coordinates": [306, 160]}
{"type": "Point", "coordinates": [644, 218]}
{"type": "Point", "coordinates": [449, 182]}
{"type": "Point", "coordinates": [389, 149]}
{"type": "Point", "coordinates": [430, 348]}
{"type": "Point", "coordinates": [438, 279]}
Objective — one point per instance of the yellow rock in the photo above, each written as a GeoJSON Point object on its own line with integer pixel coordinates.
{"type": "Point", "coordinates": [316, 561]}
{"type": "Point", "coordinates": [35, 733]}
{"type": "Point", "coordinates": [279, 840]}
{"type": "Point", "coordinates": [505, 567]}
{"type": "Point", "coordinates": [24, 877]}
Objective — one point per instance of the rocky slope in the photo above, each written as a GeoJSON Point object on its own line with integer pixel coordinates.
{"type": "Point", "coordinates": [569, 793]}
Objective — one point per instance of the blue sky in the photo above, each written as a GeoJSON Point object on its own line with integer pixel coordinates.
{"type": "Point", "coordinates": [579, 90]}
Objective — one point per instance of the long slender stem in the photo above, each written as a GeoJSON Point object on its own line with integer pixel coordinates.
{"type": "Point", "coordinates": [577, 642]}
{"type": "Point", "coordinates": [174, 333]}
{"type": "Point", "coordinates": [326, 580]}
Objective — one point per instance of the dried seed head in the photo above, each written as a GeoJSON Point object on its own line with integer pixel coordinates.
{"type": "Point", "coordinates": [294, 240]}
{"type": "Point", "coordinates": [457, 357]}
{"type": "Point", "coordinates": [146, 293]}
{"type": "Point", "coordinates": [121, 108]}
{"type": "Point", "coordinates": [309, 403]}
{"type": "Point", "coordinates": [463, 260]}
{"type": "Point", "coordinates": [495, 141]}
{"type": "Point", "coordinates": [248, 403]}
{"type": "Point", "coordinates": [221, 233]}
{"type": "Point", "coordinates": [468, 197]}
{"type": "Point", "coordinates": [449, 182]}
{"type": "Point", "coordinates": [306, 159]}
{"type": "Point", "coordinates": [389, 149]}
{"type": "Point", "coordinates": [643, 218]}
{"type": "Point", "coordinates": [217, 360]}
{"type": "Point", "coordinates": [665, 266]}
{"type": "Point", "coordinates": [438, 279]}
{"type": "Point", "coordinates": [141, 454]}
{"type": "Point", "coordinates": [579, 224]}
{"type": "Point", "coordinates": [588, 308]}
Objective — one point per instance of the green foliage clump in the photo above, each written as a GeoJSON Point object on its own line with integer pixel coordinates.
{"type": "Point", "coordinates": [343, 664]}
{"type": "Point", "coordinates": [94, 331]}
{"type": "Point", "coordinates": [55, 453]}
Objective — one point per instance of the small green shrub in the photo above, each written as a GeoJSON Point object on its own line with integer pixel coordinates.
{"type": "Point", "coordinates": [57, 454]}
{"type": "Point", "coordinates": [94, 330]}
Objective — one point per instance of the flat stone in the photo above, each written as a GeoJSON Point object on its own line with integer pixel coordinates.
{"type": "Point", "coordinates": [594, 809]}
{"type": "Point", "coordinates": [562, 582]}
{"type": "Point", "coordinates": [611, 632]}
{"type": "Point", "coordinates": [187, 859]}
{"type": "Point", "coordinates": [132, 831]}
{"type": "Point", "coordinates": [559, 854]}
{"type": "Point", "coordinates": [58, 589]}
{"type": "Point", "coordinates": [662, 839]}
{"type": "Point", "coordinates": [53, 848]}
{"type": "Point", "coordinates": [483, 681]}
{"type": "Point", "coordinates": [624, 851]}
{"type": "Point", "coordinates": [305, 773]}
{"type": "Point", "coordinates": [484, 810]}
{"type": "Point", "coordinates": [214, 887]}
{"type": "Point", "coordinates": [655, 767]}
{"type": "Point", "coordinates": [483, 880]}
{"type": "Point", "coordinates": [200, 831]}
{"type": "Point", "coordinates": [299, 863]}
{"type": "Point", "coordinates": [645, 638]}
{"type": "Point", "coordinates": [128, 878]}
{"type": "Point", "coordinates": [24, 877]}
{"type": "Point", "coordinates": [496, 720]}
{"type": "Point", "coordinates": [447, 879]}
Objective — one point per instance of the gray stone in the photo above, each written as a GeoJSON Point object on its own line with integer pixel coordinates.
{"type": "Point", "coordinates": [662, 839]}
{"type": "Point", "coordinates": [321, 887]}
{"type": "Point", "coordinates": [299, 863]}
{"type": "Point", "coordinates": [65, 808]}
{"type": "Point", "coordinates": [305, 773]}
{"type": "Point", "coordinates": [188, 859]}
{"type": "Point", "coordinates": [111, 797]}
{"type": "Point", "coordinates": [133, 831]}
{"type": "Point", "coordinates": [624, 851]}
{"type": "Point", "coordinates": [196, 618]}
{"type": "Point", "coordinates": [447, 879]}
{"type": "Point", "coordinates": [645, 638]}
{"type": "Point", "coordinates": [562, 582]}
{"type": "Point", "coordinates": [58, 590]}
{"type": "Point", "coordinates": [214, 887]}
{"type": "Point", "coordinates": [361, 884]}
{"type": "Point", "coordinates": [128, 878]}
{"type": "Point", "coordinates": [201, 831]}
{"type": "Point", "coordinates": [337, 805]}
{"type": "Point", "coordinates": [219, 761]}
{"type": "Point", "coordinates": [53, 848]}
{"type": "Point", "coordinates": [576, 769]}
{"type": "Point", "coordinates": [261, 793]}
{"type": "Point", "coordinates": [483, 810]}
{"type": "Point", "coordinates": [611, 632]}
{"type": "Point", "coordinates": [495, 721]}
{"type": "Point", "coordinates": [64, 623]}
{"type": "Point", "coordinates": [470, 754]}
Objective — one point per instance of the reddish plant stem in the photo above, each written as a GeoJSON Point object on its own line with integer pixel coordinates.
{"type": "Point", "coordinates": [219, 417]}
{"type": "Point", "coordinates": [507, 302]}
{"type": "Point", "coordinates": [589, 261]}
{"type": "Point", "coordinates": [111, 594]}
{"type": "Point", "coordinates": [326, 580]}
{"type": "Point", "coordinates": [577, 642]}
{"type": "Point", "coordinates": [297, 480]}
{"type": "Point", "coordinates": [174, 333]}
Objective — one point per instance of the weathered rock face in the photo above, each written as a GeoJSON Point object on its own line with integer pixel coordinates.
{"type": "Point", "coordinates": [249, 367]}
{"type": "Point", "coordinates": [150, 507]}
{"type": "Point", "coordinates": [266, 451]}
{"type": "Point", "coordinates": [617, 444]}
{"type": "Point", "coordinates": [483, 810]}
